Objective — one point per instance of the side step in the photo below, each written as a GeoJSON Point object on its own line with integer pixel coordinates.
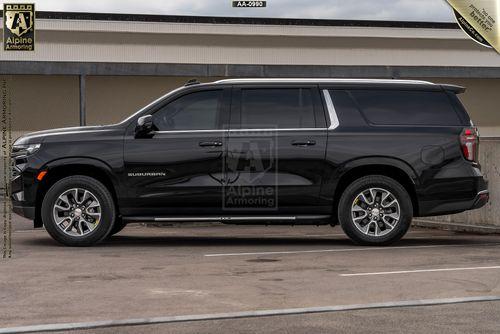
{"type": "Point", "coordinates": [288, 220]}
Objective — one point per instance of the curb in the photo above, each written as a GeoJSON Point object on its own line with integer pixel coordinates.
{"type": "Point", "coordinates": [240, 315]}
{"type": "Point", "coordinates": [479, 229]}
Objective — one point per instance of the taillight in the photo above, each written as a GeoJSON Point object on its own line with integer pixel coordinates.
{"type": "Point", "coordinates": [469, 140]}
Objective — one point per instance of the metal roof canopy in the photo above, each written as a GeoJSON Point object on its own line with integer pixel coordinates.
{"type": "Point", "coordinates": [241, 20]}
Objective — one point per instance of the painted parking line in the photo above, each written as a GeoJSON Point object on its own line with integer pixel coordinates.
{"type": "Point", "coordinates": [339, 250]}
{"type": "Point", "coordinates": [321, 235]}
{"type": "Point", "coordinates": [29, 231]}
{"type": "Point", "coordinates": [244, 314]}
{"type": "Point", "coordinates": [419, 271]}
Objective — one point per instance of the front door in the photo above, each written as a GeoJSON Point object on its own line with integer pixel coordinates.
{"type": "Point", "coordinates": [276, 151]}
{"type": "Point", "coordinates": [179, 168]}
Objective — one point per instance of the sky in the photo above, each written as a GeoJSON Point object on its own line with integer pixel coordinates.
{"type": "Point", "coordinates": [397, 10]}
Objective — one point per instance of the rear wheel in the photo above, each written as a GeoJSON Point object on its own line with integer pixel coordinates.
{"type": "Point", "coordinates": [78, 211]}
{"type": "Point", "coordinates": [375, 210]}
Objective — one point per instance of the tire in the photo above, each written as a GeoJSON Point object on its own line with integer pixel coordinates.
{"type": "Point", "coordinates": [93, 203]}
{"type": "Point", "coordinates": [118, 226]}
{"type": "Point", "coordinates": [382, 227]}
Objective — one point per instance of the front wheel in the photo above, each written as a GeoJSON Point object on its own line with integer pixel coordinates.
{"type": "Point", "coordinates": [117, 227]}
{"type": "Point", "coordinates": [78, 211]}
{"type": "Point", "coordinates": [375, 210]}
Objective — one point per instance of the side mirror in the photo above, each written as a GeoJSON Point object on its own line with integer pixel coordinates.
{"type": "Point", "coordinates": [144, 125]}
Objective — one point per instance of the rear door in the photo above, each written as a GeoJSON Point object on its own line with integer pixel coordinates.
{"type": "Point", "coordinates": [276, 150]}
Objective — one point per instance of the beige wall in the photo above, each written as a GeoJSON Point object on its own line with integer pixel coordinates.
{"type": "Point", "coordinates": [42, 102]}
{"type": "Point", "coordinates": [167, 42]}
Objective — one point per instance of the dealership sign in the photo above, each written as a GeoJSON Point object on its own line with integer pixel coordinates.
{"type": "Point", "coordinates": [18, 27]}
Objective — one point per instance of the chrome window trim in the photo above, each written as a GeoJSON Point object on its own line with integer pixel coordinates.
{"type": "Point", "coordinates": [334, 120]}
{"type": "Point", "coordinates": [241, 130]}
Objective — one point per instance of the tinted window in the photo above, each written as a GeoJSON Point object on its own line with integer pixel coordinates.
{"type": "Point", "coordinates": [459, 107]}
{"type": "Point", "coordinates": [406, 107]}
{"type": "Point", "coordinates": [347, 112]}
{"type": "Point", "coordinates": [195, 111]}
{"type": "Point", "coordinates": [277, 108]}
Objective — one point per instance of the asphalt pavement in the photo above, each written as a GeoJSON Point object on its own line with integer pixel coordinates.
{"type": "Point", "coordinates": [201, 272]}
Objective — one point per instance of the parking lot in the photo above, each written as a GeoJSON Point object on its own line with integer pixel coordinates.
{"type": "Point", "coordinates": [220, 277]}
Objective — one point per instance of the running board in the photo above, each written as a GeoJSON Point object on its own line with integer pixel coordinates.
{"type": "Point", "coordinates": [233, 219]}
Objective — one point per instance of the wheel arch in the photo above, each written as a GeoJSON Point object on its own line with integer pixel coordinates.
{"type": "Point", "coordinates": [393, 169]}
{"type": "Point", "coordinates": [59, 169]}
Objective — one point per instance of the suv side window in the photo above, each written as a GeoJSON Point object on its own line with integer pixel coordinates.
{"type": "Point", "coordinates": [287, 108]}
{"type": "Point", "coordinates": [400, 107]}
{"type": "Point", "coordinates": [193, 111]}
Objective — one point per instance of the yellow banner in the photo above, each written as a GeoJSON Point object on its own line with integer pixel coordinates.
{"type": "Point", "coordinates": [483, 16]}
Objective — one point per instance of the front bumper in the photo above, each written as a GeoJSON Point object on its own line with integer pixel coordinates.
{"type": "Point", "coordinates": [23, 196]}
{"type": "Point", "coordinates": [23, 210]}
{"type": "Point", "coordinates": [24, 185]}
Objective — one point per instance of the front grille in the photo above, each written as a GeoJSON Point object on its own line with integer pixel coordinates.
{"type": "Point", "coordinates": [18, 161]}
{"type": "Point", "coordinates": [17, 165]}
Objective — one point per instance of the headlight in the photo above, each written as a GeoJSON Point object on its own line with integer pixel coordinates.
{"type": "Point", "coordinates": [27, 149]}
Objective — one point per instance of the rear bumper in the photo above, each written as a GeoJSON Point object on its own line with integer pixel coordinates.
{"type": "Point", "coordinates": [444, 206]}
{"type": "Point", "coordinates": [481, 199]}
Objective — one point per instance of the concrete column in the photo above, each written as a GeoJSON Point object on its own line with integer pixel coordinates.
{"type": "Point", "coordinates": [82, 99]}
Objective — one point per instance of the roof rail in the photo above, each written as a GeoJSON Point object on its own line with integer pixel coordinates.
{"type": "Point", "coordinates": [191, 82]}
{"type": "Point", "coordinates": [453, 88]}
{"type": "Point", "coordinates": [321, 80]}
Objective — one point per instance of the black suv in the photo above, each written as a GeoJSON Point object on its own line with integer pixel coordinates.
{"type": "Point", "coordinates": [366, 154]}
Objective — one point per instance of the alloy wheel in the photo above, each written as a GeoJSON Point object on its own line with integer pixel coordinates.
{"type": "Point", "coordinates": [375, 212]}
{"type": "Point", "coordinates": [77, 212]}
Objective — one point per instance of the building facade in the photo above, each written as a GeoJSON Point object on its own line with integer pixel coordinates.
{"type": "Point", "coordinates": [99, 68]}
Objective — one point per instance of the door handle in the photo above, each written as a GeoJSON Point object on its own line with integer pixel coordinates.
{"type": "Point", "coordinates": [210, 143]}
{"type": "Point", "coordinates": [303, 143]}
